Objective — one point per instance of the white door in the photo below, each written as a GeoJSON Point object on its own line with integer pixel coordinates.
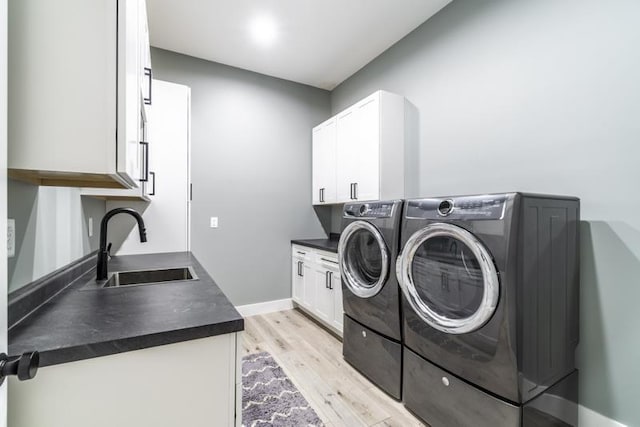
{"type": "Point", "coordinates": [367, 116]}
{"type": "Point", "coordinates": [167, 216]}
{"type": "Point", "coordinates": [347, 155]}
{"type": "Point", "coordinates": [324, 296]}
{"type": "Point", "coordinates": [3, 200]}
{"type": "Point", "coordinates": [129, 95]}
{"type": "Point", "coordinates": [324, 163]}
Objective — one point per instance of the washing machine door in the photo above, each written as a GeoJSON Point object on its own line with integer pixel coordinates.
{"type": "Point", "coordinates": [448, 277]}
{"type": "Point", "coordinates": [364, 259]}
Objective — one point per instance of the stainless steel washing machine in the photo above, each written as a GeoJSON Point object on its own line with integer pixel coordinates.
{"type": "Point", "coordinates": [490, 304]}
{"type": "Point", "coordinates": [367, 252]}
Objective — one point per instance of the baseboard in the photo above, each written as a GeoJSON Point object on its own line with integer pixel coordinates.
{"type": "Point", "coordinates": [265, 307]}
{"type": "Point", "coordinates": [590, 418]}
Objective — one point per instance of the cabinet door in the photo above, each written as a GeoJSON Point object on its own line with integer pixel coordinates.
{"type": "Point", "coordinates": [338, 313]}
{"type": "Point", "coordinates": [324, 296]}
{"type": "Point", "coordinates": [367, 116]}
{"type": "Point", "coordinates": [347, 154]}
{"type": "Point", "coordinates": [128, 164]}
{"type": "Point", "coordinates": [297, 281]}
{"type": "Point", "coordinates": [308, 284]}
{"type": "Point", "coordinates": [324, 163]}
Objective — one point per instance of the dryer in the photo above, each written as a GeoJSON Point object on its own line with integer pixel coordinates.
{"type": "Point", "coordinates": [490, 304]}
{"type": "Point", "coordinates": [367, 251]}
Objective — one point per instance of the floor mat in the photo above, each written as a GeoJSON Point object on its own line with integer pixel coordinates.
{"type": "Point", "coordinates": [269, 398]}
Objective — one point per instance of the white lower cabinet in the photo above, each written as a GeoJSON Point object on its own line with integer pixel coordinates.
{"type": "Point", "coordinates": [316, 285]}
{"type": "Point", "coordinates": [191, 383]}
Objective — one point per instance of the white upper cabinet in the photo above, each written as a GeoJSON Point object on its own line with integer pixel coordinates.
{"type": "Point", "coordinates": [369, 150]}
{"type": "Point", "coordinates": [324, 163]}
{"type": "Point", "coordinates": [75, 85]}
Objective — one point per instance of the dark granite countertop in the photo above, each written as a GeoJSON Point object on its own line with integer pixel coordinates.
{"type": "Point", "coordinates": [330, 244]}
{"type": "Point", "coordinates": [82, 323]}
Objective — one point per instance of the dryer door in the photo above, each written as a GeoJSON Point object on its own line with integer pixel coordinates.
{"type": "Point", "coordinates": [448, 277]}
{"type": "Point", "coordinates": [364, 259]}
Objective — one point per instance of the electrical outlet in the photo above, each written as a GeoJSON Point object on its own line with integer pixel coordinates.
{"type": "Point", "coordinates": [90, 226]}
{"type": "Point", "coordinates": [11, 237]}
{"type": "Point", "coordinates": [213, 223]}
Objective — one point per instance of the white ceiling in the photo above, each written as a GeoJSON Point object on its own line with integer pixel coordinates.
{"type": "Point", "coordinates": [319, 42]}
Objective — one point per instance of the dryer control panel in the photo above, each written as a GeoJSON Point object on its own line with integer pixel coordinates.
{"type": "Point", "coordinates": [369, 210]}
{"type": "Point", "coordinates": [490, 206]}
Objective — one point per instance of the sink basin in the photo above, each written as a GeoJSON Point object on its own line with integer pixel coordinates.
{"type": "Point", "coordinates": [148, 277]}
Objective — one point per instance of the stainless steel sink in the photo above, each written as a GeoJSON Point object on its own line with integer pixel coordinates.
{"type": "Point", "coordinates": [149, 277]}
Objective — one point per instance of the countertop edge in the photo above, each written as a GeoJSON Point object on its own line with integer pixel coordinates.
{"type": "Point", "coordinates": [324, 246]}
{"type": "Point", "coordinates": [99, 349]}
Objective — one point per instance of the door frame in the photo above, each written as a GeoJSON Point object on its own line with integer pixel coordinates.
{"type": "Point", "coordinates": [3, 199]}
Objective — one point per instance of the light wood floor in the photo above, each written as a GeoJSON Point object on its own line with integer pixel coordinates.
{"type": "Point", "coordinates": [312, 358]}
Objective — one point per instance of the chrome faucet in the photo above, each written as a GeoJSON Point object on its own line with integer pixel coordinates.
{"type": "Point", "coordinates": [103, 252]}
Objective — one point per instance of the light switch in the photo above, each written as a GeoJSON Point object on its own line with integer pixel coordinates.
{"type": "Point", "coordinates": [11, 237]}
{"type": "Point", "coordinates": [213, 223]}
{"type": "Point", "coordinates": [90, 226]}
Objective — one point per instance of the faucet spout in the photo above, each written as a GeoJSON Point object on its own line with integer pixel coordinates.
{"type": "Point", "coordinates": [103, 253]}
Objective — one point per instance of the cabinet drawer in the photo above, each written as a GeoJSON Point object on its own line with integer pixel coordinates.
{"type": "Point", "coordinates": [377, 357]}
{"type": "Point", "coordinates": [326, 259]}
{"type": "Point", "coordinates": [302, 253]}
{"type": "Point", "coordinates": [442, 399]}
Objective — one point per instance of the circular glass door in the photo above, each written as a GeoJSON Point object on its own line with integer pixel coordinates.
{"type": "Point", "coordinates": [449, 278]}
{"type": "Point", "coordinates": [364, 259]}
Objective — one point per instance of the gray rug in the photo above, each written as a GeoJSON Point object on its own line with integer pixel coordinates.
{"type": "Point", "coordinates": [269, 398]}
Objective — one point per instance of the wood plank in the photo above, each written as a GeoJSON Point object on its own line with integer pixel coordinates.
{"type": "Point", "coordinates": [312, 357]}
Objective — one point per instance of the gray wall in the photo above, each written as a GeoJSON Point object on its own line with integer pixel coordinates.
{"type": "Point", "coordinates": [51, 229]}
{"type": "Point", "coordinates": [251, 167]}
{"type": "Point", "coordinates": [540, 96]}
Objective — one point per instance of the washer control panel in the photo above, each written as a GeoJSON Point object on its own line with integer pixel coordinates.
{"type": "Point", "coordinates": [369, 210]}
{"type": "Point", "coordinates": [489, 206]}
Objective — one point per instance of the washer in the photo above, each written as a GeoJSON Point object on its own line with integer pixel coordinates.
{"type": "Point", "coordinates": [367, 251]}
{"type": "Point", "coordinates": [490, 303]}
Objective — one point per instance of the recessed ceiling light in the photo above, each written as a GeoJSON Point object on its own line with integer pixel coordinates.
{"type": "Point", "coordinates": [263, 30]}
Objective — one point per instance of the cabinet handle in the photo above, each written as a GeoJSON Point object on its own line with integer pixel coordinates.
{"type": "Point", "coordinates": [24, 367]}
{"type": "Point", "coordinates": [322, 195]}
{"type": "Point", "coordinates": [330, 280]}
{"type": "Point", "coordinates": [153, 186]}
{"type": "Point", "coordinates": [301, 268]}
{"type": "Point", "coordinates": [145, 163]}
{"type": "Point", "coordinates": [149, 74]}
{"type": "Point", "coordinates": [329, 260]}
{"type": "Point", "coordinates": [326, 280]}
{"type": "Point", "coordinates": [301, 253]}
{"type": "Point", "coordinates": [355, 191]}
{"type": "Point", "coordinates": [351, 191]}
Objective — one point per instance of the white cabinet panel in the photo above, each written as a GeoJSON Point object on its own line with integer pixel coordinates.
{"type": "Point", "coordinates": [367, 160]}
{"type": "Point", "coordinates": [324, 296]}
{"type": "Point", "coordinates": [129, 81]}
{"type": "Point", "coordinates": [347, 153]}
{"type": "Point", "coordinates": [308, 283]}
{"type": "Point", "coordinates": [324, 163]}
{"type": "Point", "coordinates": [168, 213]}
{"type": "Point", "coordinates": [338, 310]}
{"type": "Point", "coordinates": [127, 389]}
{"type": "Point", "coordinates": [297, 281]}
